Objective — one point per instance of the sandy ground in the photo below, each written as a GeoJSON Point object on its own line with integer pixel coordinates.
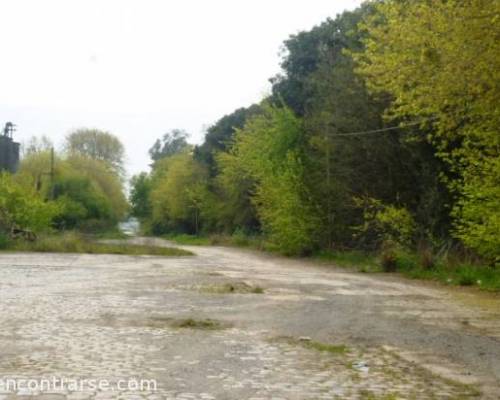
{"type": "Point", "coordinates": [121, 318]}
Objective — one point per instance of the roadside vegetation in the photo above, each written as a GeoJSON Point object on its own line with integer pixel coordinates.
{"type": "Point", "coordinates": [371, 146]}
{"type": "Point", "coordinates": [72, 242]}
{"type": "Point", "coordinates": [69, 201]}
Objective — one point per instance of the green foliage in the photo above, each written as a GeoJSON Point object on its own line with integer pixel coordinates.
{"type": "Point", "coordinates": [4, 240]}
{"type": "Point", "coordinates": [72, 242]}
{"type": "Point", "coordinates": [173, 142]}
{"type": "Point", "coordinates": [443, 41]}
{"type": "Point", "coordinates": [97, 145]}
{"type": "Point", "coordinates": [267, 151]}
{"type": "Point", "coordinates": [140, 195]}
{"type": "Point", "coordinates": [90, 194]}
{"type": "Point", "coordinates": [364, 262]}
{"type": "Point", "coordinates": [386, 223]}
{"type": "Point", "coordinates": [179, 194]}
{"type": "Point", "coordinates": [190, 240]}
{"type": "Point", "coordinates": [23, 207]}
{"type": "Point", "coordinates": [478, 211]}
{"type": "Point", "coordinates": [220, 135]}
{"type": "Point", "coordinates": [302, 170]}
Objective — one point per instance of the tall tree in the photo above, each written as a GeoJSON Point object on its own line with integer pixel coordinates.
{"type": "Point", "coordinates": [269, 151]}
{"type": "Point", "coordinates": [219, 136]}
{"type": "Point", "coordinates": [98, 145]}
{"type": "Point", "coordinates": [441, 63]}
{"type": "Point", "coordinates": [171, 143]}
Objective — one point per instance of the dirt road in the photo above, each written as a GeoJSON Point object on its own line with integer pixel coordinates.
{"type": "Point", "coordinates": [233, 324]}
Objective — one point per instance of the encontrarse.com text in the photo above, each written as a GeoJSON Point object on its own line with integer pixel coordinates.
{"type": "Point", "coordinates": [56, 384]}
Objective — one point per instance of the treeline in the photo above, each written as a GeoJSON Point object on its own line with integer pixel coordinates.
{"type": "Point", "coordinates": [380, 133]}
{"type": "Point", "coordinates": [77, 188]}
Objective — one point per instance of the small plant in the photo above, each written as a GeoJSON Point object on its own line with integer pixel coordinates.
{"type": "Point", "coordinates": [466, 278]}
{"type": "Point", "coordinates": [203, 324]}
{"type": "Point", "coordinates": [4, 241]}
{"type": "Point", "coordinates": [239, 238]}
{"type": "Point", "coordinates": [325, 347]}
{"type": "Point", "coordinates": [229, 288]}
{"type": "Point", "coordinates": [313, 345]}
{"type": "Point", "coordinates": [427, 258]}
{"type": "Point", "coordinates": [388, 258]}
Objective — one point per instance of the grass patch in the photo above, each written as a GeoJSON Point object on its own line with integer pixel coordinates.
{"type": "Point", "coordinates": [317, 346]}
{"type": "Point", "coordinates": [238, 239]}
{"type": "Point", "coordinates": [481, 276]}
{"type": "Point", "coordinates": [76, 243]}
{"type": "Point", "coordinates": [110, 234]}
{"type": "Point", "coordinates": [202, 324]}
{"type": "Point", "coordinates": [414, 266]}
{"type": "Point", "coordinates": [190, 240]}
{"type": "Point", "coordinates": [325, 347]}
{"type": "Point", "coordinates": [230, 288]}
{"type": "Point", "coordinates": [361, 261]}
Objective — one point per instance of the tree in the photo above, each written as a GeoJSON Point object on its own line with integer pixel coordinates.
{"type": "Point", "coordinates": [89, 192]}
{"type": "Point", "coordinates": [37, 144]}
{"type": "Point", "coordinates": [24, 207]}
{"type": "Point", "coordinates": [177, 195]}
{"type": "Point", "coordinates": [268, 150]}
{"type": "Point", "coordinates": [98, 145]}
{"type": "Point", "coordinates": [171, 143]}
{"type": "Point", "coordinates": [440, 61]}
{"type": "Point", "coordinates": [219, 136]}
{"type": "Point", "coordinates": [304, 52]}
{"type": "Point", "coordinates": [140, 195]}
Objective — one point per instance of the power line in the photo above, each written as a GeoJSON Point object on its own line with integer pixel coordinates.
{"type": "Point", "coordinates": [391, 128]}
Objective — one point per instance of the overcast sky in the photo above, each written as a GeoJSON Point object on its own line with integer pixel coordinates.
{"type": "Point", "coordinates": [139, 68]}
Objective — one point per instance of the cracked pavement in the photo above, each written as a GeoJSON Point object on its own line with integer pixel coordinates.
{"type": "Point", "coordinates": [109, 317]}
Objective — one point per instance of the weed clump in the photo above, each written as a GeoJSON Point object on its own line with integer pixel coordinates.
{"type": "Point", "coordinates": [232, 287]}
{"type": "Point", "coordinates": [203, 324]}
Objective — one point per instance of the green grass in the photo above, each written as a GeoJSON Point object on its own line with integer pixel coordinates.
{"type": "Point", "coordinates": [482, 277]}
{"type": "Point", "coordinates": [109, 234]}
{"type": "Point", "coordinates": [359, 260]}
{"type": "Point", "coordinates": [76, 243]}
{"type": "Point", "coordinates": [411, 265]}
{"type": "Point", "coordinates": [325, 347]}
{"type": "Point", "coordinates": [336, 349]}
{"type": "Point", "coordinates": [190, 240]}
{"type": "Point", "coordinates": [238, 239]}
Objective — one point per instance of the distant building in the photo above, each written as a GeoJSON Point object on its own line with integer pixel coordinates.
{"type": "Point", "coordinates": [9, 150]}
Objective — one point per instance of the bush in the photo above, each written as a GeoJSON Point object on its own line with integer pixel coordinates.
{"type": "Point", "coordinates": [427, 259]}
{"type": "Point", "coordinates": [388, 260]}
{"type": "Point", "coordinates": [239, 238]}
{"type": "Point", "coordinates": [23, 207]}
{"type": "Point", "coordinates": [385, 223]}
{"type": "Point", "coordinates": [4, 241]}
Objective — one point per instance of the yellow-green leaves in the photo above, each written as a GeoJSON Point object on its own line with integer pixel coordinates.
{"type": "Point", "coordinates": [441, 59]}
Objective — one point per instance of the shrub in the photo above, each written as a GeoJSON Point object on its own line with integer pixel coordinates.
{"type": "Point", "coordinates": [4, 240]}
{"type": "Point", "coordinates": [23, 207]}
{"type": "Point", "coordinates": [239, 238]}
{"type": "Point", "coordinates": [385, 223]}
{"type": "Point", "coordinates": [427, 258]}
{"type": "Point", "coordinates": [388, 260]}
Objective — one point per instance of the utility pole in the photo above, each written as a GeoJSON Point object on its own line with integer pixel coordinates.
{"type": "Point", "coordinates": [52, 173]}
